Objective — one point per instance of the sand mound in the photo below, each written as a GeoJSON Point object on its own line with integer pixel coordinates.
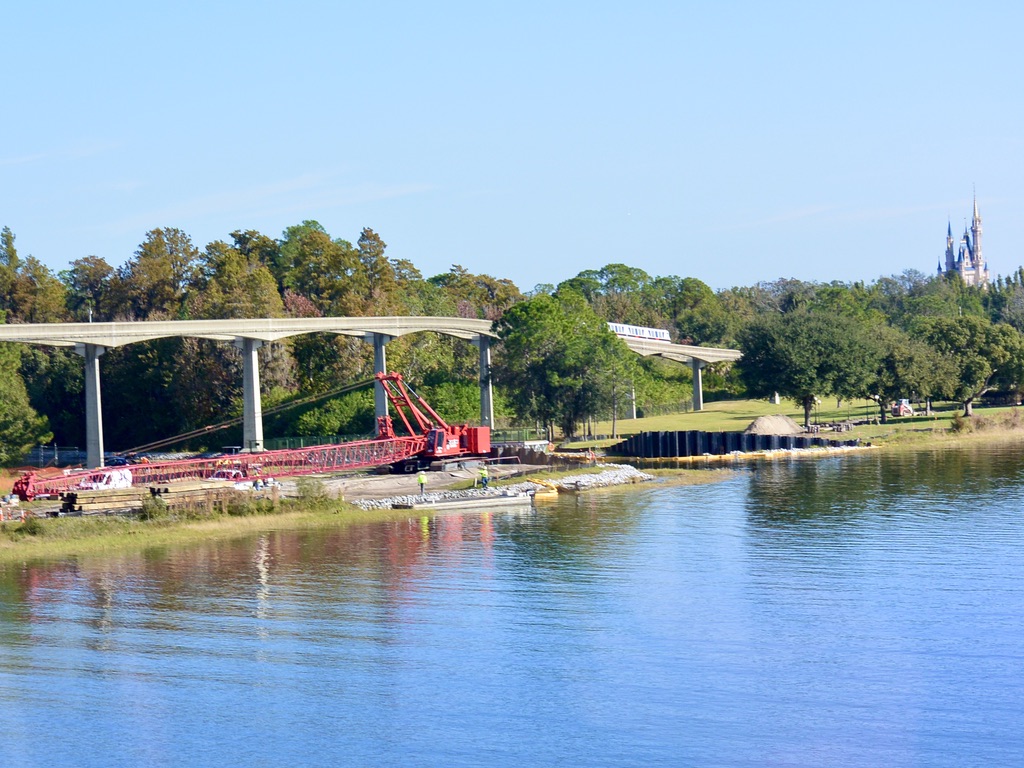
{"type": "Point", "coordinates": [774, 425]}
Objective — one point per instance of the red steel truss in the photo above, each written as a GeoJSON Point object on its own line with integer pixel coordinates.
{"type": "Point", "coordinates": [301, 461]}
{"type": "Point", "coordinates": [430, 439]}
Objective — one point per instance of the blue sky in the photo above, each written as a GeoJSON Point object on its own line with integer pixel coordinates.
{"type": "Point", "coordinates": [732, 142]}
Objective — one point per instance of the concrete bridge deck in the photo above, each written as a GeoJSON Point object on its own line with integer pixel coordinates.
{"type": "Point", "coordinates": [90, 340]}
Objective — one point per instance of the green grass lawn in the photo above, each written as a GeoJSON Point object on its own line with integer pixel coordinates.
{"type": "Point", "coordinates": [736, 415]}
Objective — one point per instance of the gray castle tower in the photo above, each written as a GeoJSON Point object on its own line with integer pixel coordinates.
{"type": "Point", "coordinates": [967, 261]}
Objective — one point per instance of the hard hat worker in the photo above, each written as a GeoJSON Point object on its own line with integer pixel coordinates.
{"type": "Point", "coordinates": [421, 478]}
{"type": "Point", "coordinates": [483, 475]}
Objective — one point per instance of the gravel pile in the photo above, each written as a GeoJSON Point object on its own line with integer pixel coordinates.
{"type": "Point", "coordinates": [613, 474]}
{"type": "Point", "coordinates": [778, 424]}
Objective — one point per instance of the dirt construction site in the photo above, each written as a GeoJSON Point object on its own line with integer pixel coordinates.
{"type": "Point", "coordinates": [371, 486]}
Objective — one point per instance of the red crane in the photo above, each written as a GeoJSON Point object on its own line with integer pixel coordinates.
{"type": "Point", "coordinates": [430, 439]}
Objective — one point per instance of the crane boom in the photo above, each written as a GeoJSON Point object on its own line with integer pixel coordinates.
{"type": "Point", "coordinates": [430, 440]}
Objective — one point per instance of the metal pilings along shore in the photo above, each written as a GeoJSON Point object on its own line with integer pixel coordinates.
{"type": "Point", "coordinates": [684, 444]}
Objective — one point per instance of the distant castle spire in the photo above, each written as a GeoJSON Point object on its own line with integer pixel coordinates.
{"type": "Point", "coordinates": [967, 261]}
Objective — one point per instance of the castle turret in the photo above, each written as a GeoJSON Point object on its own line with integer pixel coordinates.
{"type": "Point", "coordinates": [950, 253]}
{"type": "Point", "coordinates": [979, 262]}
{"type": "Point", "coordinates": [967, 259]}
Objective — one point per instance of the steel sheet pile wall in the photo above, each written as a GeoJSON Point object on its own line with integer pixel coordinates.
{"type": "Point", "coordinates": [672, 445]}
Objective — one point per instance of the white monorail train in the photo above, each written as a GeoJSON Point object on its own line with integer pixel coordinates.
{"type": "Point", "coordinates": [639, 332]}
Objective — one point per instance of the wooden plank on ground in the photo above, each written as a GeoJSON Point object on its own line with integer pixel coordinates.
{"type": "Point", "coordinates": [107, 494]}
{"type": "Point", "coordinates": [104, 505]}
{"type": "Point", "coordinates": [189, 486]}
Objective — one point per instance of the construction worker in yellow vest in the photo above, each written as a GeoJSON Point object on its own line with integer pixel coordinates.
{"type": "Point", "coordinates": [421, 478]}
{"type": "Point", "coordinates": [483, 475]}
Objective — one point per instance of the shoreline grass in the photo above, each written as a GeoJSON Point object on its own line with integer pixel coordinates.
{"type": "Point", "coordinates": [736, 416]}
{"type": "Point", "coordinates": [68, 537]}
{"type": "Point", "coordinates": [42, 538]}
{"type": "Point", "coordinates": [53, 538]}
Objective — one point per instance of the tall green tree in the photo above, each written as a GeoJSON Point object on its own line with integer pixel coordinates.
{"type": "Point", "coordinates": [153, 283]}
{"type": "Point", "coordinates": [288, 255]}
{"type": "Point", "coordinates": [88, 284]}
{"type": "Point", "coordinates": [480, 296]}
{"type": "Point", "coordinates": [558, 361]}
{"type": "Point", "coordinates": [55, 382]}
{"type": "Point", "coordinates": [328, 272]}
{"type": "Point", "coordinates": [29, 291]}
{"type": "Point", "coordinates": [37, 295]}
{"type": "Point", "coordinates": [1011, 310]}
{"type": "Point", "coordinates": [21, 428]}
{"type": "Point", "coordinates": [381, 280]}
{"type": "Point", "coordinates": [10, 264]}
{"type": "Point", "coordinates": [907, 367]}
{"type": "Point", "coordinates": [620, 293]}
{"type": "Point", "coordinates": [802, 355]}
{"type": "Point", "coordinates": [257, 248]}
{"type": "Point", "coordinates": [694, 311]}
{"type": "Point", "coordinates": [235, 284]}
{"type": "Point", "coordinates": [984, 355]}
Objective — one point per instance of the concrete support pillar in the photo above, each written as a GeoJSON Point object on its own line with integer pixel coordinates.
{"type": "Point", "coordinates": [698, 384]}
{"type": "Point", "coordinates": [483, 343]}
{"type": "Point", "coordinates": [93, 407]}
{"type": "Point", "coordinates": [380, 365]}
{"type": "Point", "coordinates": [252, 407]}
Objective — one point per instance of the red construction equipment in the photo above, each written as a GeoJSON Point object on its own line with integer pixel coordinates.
{"type": "Point", "coordinates": [430, 440]}
{"type": "Point", "coordinates": [443, 441]}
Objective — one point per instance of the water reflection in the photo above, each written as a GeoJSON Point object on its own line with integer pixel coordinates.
{"type": "Point", "coordinates": [939, 480]}
{"type": "Point", "coordinates": [381, 562]}
{"type": "Point", "coordinates": [863, 610]}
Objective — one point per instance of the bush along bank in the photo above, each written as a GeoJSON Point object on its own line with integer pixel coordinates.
{"type": "Point", "coordinates": [159, 525]}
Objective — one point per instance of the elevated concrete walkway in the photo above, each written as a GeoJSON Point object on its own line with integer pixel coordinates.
{"type": "Point", "coordinates": [108, 335]}
{"type": "Point", "coordinates": [697, 357]}
{"type": "Point", "coordinates": [90, 340]}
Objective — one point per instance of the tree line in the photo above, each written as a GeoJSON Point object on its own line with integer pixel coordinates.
{"type": "Point", "coordinates": [171, 386]}
{"type": "Point", "coordinates": [557, 364]}
{"type": "Point", "coordinates": [910, 335]}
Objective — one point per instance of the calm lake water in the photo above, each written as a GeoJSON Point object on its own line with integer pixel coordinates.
{"type": "Point", "coordinates": [862, 611]}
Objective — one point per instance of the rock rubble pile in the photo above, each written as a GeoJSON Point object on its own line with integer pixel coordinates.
{"type": "Point", "coordinates": [613, 474]}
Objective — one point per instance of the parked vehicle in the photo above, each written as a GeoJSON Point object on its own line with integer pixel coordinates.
{"type": "Point", "coordinates": [238, 477]}
{"type": "Point", "coordinates": [115, 478]}
{"type": "Point", "coordinates": [902, 408]}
